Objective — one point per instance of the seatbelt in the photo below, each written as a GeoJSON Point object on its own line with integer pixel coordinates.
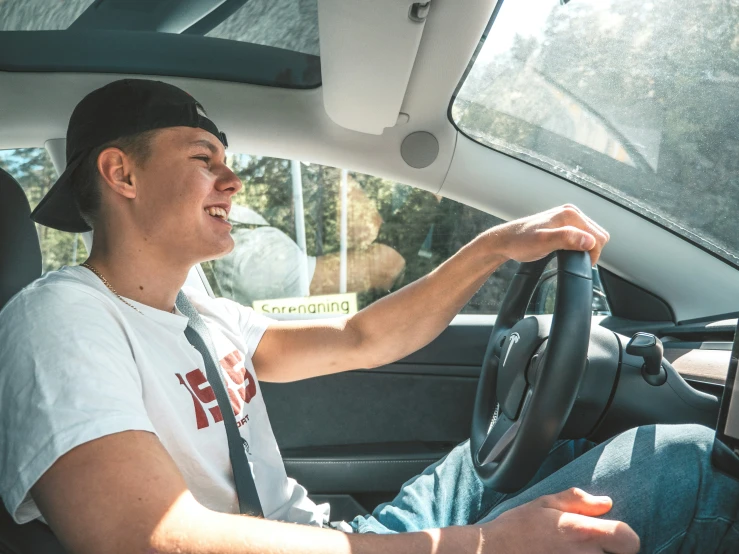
{"type": "Point", "coordinates": [197, 334]}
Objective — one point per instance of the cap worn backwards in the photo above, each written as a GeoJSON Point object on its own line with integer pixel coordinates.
{"type": "Point", "coordinates": [119, 109]}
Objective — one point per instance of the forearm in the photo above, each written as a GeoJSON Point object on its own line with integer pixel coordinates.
{"type": "Point", "coordinates": [383, 332]}
{"type": "Point", "coordinates": [230, 534]}
{"type": "Point", "coordinates": [186, 527]}
{"type": "Point", "coordinates": [410, 318]}
{"type": "Point", "coordinates": [123, 494]}
{"type": "Point", "coordinates": [407, 320]}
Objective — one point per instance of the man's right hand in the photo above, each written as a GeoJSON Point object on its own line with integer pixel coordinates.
{"type": "Point", "coordinates": [565, 523]}
{"type": "Point", "coordinates": [123, 494]}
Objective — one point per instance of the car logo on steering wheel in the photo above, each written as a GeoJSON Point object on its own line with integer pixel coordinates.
{"type": "Point", "coordinates": [515, 337]}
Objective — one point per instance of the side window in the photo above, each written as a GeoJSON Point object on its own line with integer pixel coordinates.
{"type": "Point", "coordinates": [33, 169]}
{"type": "Point", "coordinates": [311, 239]}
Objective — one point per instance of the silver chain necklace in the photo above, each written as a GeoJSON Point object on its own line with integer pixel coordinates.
{"type": "Point", "coordinates": [105, 282]}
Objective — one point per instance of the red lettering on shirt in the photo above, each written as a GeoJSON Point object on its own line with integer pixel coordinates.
{"type": "Point", "coordinates": [196, 379]}
{"type": "Point", "coordinates": [203, 394]}
{"type": "Point", "coordinates": [200, 416]}
{"type": "Point", "coordinates": [246, 384]}
{"type": "Point", "coordinates": [229, 363]}
{"type": "Point", "coordinates": [235, 404]}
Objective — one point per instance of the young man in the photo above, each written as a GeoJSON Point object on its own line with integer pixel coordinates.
{"type": "Point", "coordinates": [98, 382]}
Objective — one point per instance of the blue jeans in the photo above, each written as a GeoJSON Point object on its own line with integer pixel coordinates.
{"type": "Point", "coordinates": [659, 477]}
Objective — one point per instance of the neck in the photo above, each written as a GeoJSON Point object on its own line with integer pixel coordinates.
{"type": "Point", "coordinates": [140, 275]}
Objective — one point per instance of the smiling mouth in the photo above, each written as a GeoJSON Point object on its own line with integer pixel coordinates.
{"type": "Point", "coordinates": [215, 211]}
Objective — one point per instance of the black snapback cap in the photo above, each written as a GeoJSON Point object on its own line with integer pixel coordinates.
{"type": "Point", "coordinates": [119, 109]}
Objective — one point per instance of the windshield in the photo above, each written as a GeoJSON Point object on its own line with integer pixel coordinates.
{"type": "Point", "coordinates": [634, 100]}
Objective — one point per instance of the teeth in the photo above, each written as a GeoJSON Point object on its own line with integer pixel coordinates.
{"type": "Point", "coordinates": [217, 212]}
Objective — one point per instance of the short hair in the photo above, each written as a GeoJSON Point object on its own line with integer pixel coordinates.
{"type": "Point", "coordinates": [86, 178]}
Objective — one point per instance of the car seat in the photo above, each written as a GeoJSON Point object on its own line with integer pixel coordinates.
{"type": "Point", "coordinates": [20, 263]}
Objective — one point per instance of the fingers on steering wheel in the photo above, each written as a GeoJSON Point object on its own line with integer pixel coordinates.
{"type": "Point", "coordinates": [591, 223]}
{"type": "Point", "coordinates": [573, 216]}
{"type": "Point", "coordinates": [570, 237]}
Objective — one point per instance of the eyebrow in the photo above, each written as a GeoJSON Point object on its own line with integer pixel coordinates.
{"type": "Point", "coordinates": [207, 144]}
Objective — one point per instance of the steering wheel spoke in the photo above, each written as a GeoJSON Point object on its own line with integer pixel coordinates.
{"type": "Point", "coordinates": [501, 436]}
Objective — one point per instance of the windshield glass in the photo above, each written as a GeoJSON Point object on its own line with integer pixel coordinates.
{"type": "Point", "coordinates": [634, 100]}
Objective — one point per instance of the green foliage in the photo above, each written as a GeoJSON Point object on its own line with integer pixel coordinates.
{"type": "Point", "coordinates": [33, 169]}
{"type": "Point", "coordinates": [424, 229]}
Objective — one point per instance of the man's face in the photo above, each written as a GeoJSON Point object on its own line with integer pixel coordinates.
{"type": "Point", "coordinates": [184, 195]}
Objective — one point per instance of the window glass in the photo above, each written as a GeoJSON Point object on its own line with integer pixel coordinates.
{"type": "Point", "coordinates": [290, 244]}
{"type": "Point", "coordinates": [40, 15]}
{"type": "Point", "coordinates": [33, 169]}
{"type": "Point", "coordinates": [285, 263]}
{"type": "Point", "coordinates": [634, 100]}
{"type": "Point", "coordinates": [264, 42]}
{"type": "Point", "coordinates": [287, 24]}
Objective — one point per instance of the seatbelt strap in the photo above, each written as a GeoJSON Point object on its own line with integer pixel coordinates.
{"type": "Point", "coordinates": [198, 335]}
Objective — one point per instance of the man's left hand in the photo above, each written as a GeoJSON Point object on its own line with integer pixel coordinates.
{"type": "Point", "coordinates": [563, 228]}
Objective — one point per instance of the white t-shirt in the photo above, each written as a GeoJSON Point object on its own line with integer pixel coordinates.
{"type": "Point", "coordinates": [77, 364]}
{"type": "Point", "coordinates": [264, 264]}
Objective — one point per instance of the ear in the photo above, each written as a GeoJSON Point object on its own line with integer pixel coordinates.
{"type": "Point", "coordinates": [116, 167]}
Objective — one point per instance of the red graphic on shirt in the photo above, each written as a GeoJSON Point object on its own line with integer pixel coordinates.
{"type": "Point", "coordinates": [246, 385]}
{"type": "Point", "coordinates": [201, 396]}
{"type": "Point", "coordinates": [241, 388]}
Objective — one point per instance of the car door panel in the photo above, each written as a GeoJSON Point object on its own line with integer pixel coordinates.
{"type": "Point", "coordinates": [379, 467]}
{"type": "Point", "coordinates": [370, 408]}
{"type": "Point", "coordinates": [369, 431]}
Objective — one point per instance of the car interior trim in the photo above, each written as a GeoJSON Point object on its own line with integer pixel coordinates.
{"type": "Point", "coordinates": [633, 302]}
{"type": "Point", "coordinates": [366, 73]}
{"type": "Point", "coordinates": [153, 53]}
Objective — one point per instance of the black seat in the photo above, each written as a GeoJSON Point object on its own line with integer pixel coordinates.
{"type": "Point", "coordinates": [20, 263]}
{"type": "Point", "coordinates": [20, 253]}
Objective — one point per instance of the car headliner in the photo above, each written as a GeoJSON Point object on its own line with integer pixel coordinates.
{"type": "Point", "coordinates": [294, 124]}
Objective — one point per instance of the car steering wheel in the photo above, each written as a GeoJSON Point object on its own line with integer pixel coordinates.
{"type": "Point", "coordinates": [531, 373]}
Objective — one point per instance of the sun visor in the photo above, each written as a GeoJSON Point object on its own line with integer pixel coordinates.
{"type": "Point", "coordinates": [367, 54]}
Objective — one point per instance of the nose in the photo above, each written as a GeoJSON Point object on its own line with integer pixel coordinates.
{"type": "Point", "coordinates": [228, 181]}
